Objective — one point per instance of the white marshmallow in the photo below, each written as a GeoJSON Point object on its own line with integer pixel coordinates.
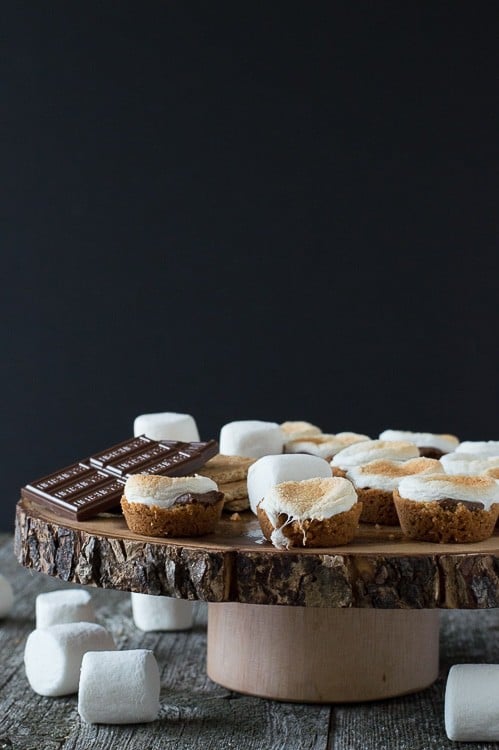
{"type": "Point", "coordinates": [53, 656]}
{"type": "Point", "coordinates": [251, 438]}
{"type": "Point", "coordinates": [429, 487]}
{"type": "Point", "coordinates": [483, 447]}
{"type": "Point", "coordinates": [444, 443]}
{"type": "Point", "coordinates": [468, 463]}
{"type": "Point", "coordinates": [373, 450]}
{"type": "Point", "coordinates": [119, 687]}
{"type": "Point", "coordinates": [471, 703]}
{"type": "Point", "coordinates": [56, 607]}
{"type": "Point", "coordinates": [167, 425]}
{"type": "Point", "coordinates": [271, 470]}
{"type": "Point", "coordinates": [150, 489]}
{"type": "Point", "coordinates": [161, 612]}
{"type": "Point", "coordinates": [6, 596]}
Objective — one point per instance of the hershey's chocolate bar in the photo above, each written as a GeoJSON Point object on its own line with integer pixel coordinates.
{"type": "Point", "coordinates": [89, 487]}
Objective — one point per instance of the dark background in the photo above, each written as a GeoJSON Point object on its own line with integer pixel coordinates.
{"type": "Point", "coordinates": [243, 211]}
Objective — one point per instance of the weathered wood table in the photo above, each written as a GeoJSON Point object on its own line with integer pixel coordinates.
{"type": "Point", "coordinates": [196, 712]}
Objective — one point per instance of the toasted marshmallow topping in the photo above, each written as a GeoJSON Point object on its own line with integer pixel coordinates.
{"type": "Point", "coordinates": [386, 475]}
{"type": "Point", "coordinates": [494, 473]}
{"type": "Point", "coordinates": [430, 487]}
{"type": "Point", "coordinates": [309, 499]}
{"type": "Point", "coordinates": [350, 438]}
{"type": "Point", "coordinates": [372, 450]}
{"type": "Point", "coordinates": [324, 446]}
{"type": "Point", "coordinates": [444, 443]}
{"type": "Point", "coordinates": [150, 489]}
{"type": "Point", "coordinates": [468, 463]}
{"type": "Point", "coordinates": [483, 447]}
{"type": "Point", "coordinates": [295, 430]}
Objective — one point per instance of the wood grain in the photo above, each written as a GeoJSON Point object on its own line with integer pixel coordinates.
{"type": "Point", "coordinates": [196, 714]}
{"type": "Point", "coordinates": [292, 654]}
{"type": "Point", "coordinates": [380, 569]}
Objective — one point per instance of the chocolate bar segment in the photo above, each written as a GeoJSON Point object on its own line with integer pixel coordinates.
{"type": "Point", "coordinates": [83, 498]}
{"type": "Point", "coordinates": [182, 460]}
{"type": "Point", "coordinates": [133, 463]}
{"type": "Point", "coordinates": [119, 451]}
{"type": "Point", "coordinates": [87, 488]}
{"type": "Point", "coordinates": [61, 477]}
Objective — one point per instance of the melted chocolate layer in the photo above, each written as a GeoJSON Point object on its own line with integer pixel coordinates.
{"type": "Point", "coordinates": [431, 452]}
{"type": "Point", "coordinates": [448, 503]}
{"type": "Point", "coordinates": [204, 498]}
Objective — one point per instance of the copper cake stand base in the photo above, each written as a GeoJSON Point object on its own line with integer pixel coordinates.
{"type": "Point", "coordinates": [351, 623]}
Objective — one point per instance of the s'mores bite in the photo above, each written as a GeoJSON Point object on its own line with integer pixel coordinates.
{"type": "Point", "coordinates": [310, 513]}
{"type": "Point", "coordinates": [325, 446]}
{"type": "Point", "coordinates": [372, 450]}
{"type": "Point", "coordinates": [252, 438]}
{"type": "Point", "coordinates": [430, 445]}
{"type": "Point", "coordinates": [443, 508]}
{"type": "Point", "coordinates": [171, 506]}
{"type": "Point", "coordinates": [376, 481]}
{"type": "Point", "coordinates": [468, 463]}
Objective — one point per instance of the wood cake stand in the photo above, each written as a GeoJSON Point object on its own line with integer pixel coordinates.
{"type": "Point", "coordinates": [351, 623]}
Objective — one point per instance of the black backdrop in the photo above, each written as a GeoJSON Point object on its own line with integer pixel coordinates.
{"type": "Point", "coordinates": [245, 212]}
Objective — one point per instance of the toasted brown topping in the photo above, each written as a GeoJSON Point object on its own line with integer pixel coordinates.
{"type": "Point", "coordinates": [401, 468]}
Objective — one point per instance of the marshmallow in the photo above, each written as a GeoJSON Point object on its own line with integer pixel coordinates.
{"type": "Point", "coordinates": [372, 450]}
{"type": "Point", "coordinates": [167, 425]}
{"type": "Point", "coordinates": [386, 475]}
{"type": "Point", "coordinates": [271, 470]}
{"type": "Point", "coordinates": [324, 446]}
{"type": "Point", "coordinates": [6, 596]}
{"type": "Point", "coordinates": [471, 489]}
{"type": "Point", "coordinates": [468, 463]}
{"type": "Point", "coordinates": [161, 612]}
{"type": "Point", "coordinates": [483, 447]}
{"type": "Point", "coordinates": [119, 687]}
{"type": "Point", "coordinates": [251, 438]}
{"type": "Point", "coordinates": [53, 656]}
{"type": "Point", "coordinates": [296, 430]}
{"type": "Point", "coordinates": [152, 489]}
{"type": "Point", "coordinates": [471, 703]}
{"type": "Point", "coordinates": [56, 607]}
{"type": "Point", "coordinates": [309, 498]}
{"type": "Point", "coordinates": [444, 443]}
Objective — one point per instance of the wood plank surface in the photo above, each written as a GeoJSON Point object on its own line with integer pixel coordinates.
{"type": "Point", "coordinates": [196, 713]}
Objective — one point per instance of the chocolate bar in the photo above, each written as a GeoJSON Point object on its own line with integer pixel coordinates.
{"type": "Point", "coordinates": [94, 485]}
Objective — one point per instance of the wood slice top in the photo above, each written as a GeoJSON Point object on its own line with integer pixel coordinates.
{"type": "Point", "coordinates": [380, 568]}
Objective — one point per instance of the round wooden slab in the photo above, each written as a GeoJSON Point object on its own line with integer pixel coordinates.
{"type": "Point", "coordinates": [380, 569]}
